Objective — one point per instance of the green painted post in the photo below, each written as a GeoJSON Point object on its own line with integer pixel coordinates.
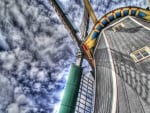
{"type": "Point", "coordinates": [69, 100]}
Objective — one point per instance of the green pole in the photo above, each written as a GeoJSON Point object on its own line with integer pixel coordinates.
{"type": "Point", "coordinates": [69, 100]}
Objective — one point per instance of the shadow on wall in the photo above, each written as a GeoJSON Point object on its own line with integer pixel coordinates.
{"type": "Point", "coordinates": [130, 30]}
{"type": "Point", "coordinates": [135, 75]}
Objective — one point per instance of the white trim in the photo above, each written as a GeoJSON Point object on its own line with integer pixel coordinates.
{"type": "Point", "coordinates": [97, 43]}
{"type": "Point", "coordinates": [95, 70]}
{"type": "Point", "coordinates": [114, 78]}
{"type": "Point", "coordinates": [94, 88]}
{"type": "Point", "coordinates": [114, 105]}
{"type": "Point", "coordinates": [139, 23]}
{"type": "Point", "coordinates": [107, 28]}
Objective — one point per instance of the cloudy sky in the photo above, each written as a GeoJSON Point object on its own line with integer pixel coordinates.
{"type": "Point", "coordinates": [36, 51]}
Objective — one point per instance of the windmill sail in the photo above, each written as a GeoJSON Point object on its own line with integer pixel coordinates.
{"type": "Point", "coordinates": [84, 24]}
{"type": "Point", "coordinates": [90, 11]}
{"type": "Point", "coordinates": [66, 21]}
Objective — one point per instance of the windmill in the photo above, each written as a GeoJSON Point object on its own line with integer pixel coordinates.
{"type": "Point", "coordinates": [115, 58]}
{"type": "Point", "coordinates": [76, 78]}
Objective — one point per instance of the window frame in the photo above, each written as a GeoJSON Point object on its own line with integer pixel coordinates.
{"type": "Point", "coordinates": [140, 52]}
{"type": "Point", "coordinates": [119, 25]}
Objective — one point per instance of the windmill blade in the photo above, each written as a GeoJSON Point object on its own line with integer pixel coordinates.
{"type": "Point", "coordinates": [90, 11]}
{"type": "Point", "coordinates": [66, 21]}
{"type": "Point", "coordinates": [148, 4]}
{"type": "Point", "coordinates": [84, 24]}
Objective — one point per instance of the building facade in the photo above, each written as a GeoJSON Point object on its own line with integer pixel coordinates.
{"type": "Point", "coordinates": [122, 58]}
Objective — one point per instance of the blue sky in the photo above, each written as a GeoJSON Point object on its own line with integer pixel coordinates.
{"type": "Point", "coordinates": [36, 52]}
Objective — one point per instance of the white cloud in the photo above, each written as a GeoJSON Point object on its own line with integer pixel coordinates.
{"type": "Point", "coordinates": [37, 53]}
{"type": "Point", "coordinates": [13, 108]}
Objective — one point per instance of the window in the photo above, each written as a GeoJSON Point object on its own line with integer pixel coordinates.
{"type": "Point", "coordinates": [118, 27]}
{"type": "Point", "coordinates": [140, 54]}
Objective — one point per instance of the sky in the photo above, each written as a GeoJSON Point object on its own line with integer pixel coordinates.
{"type": "Point", "coordinates": [36, 51]}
